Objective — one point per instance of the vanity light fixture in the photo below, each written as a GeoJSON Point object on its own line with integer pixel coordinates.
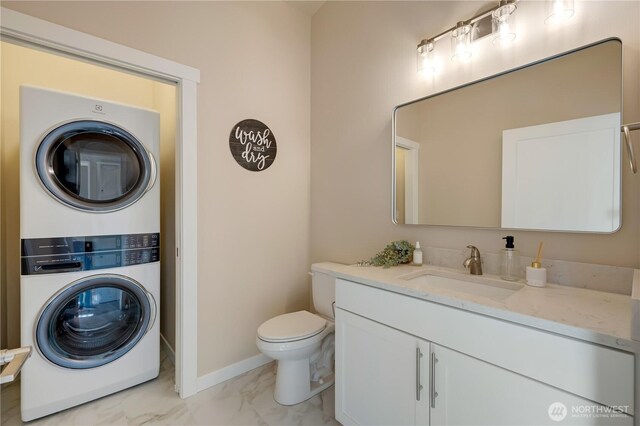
{"type": "Point", "coordinates": [461, 42]}
{"type": "Point", "coordinates": [497, 20]}
{"type": "Point", "coordinates": [559, 10]}
{"type": "Point", "coordinates": [426, 57]}
{"type": "Point", "coordinates": [503, 22]}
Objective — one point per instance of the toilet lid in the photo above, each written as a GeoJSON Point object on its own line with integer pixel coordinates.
{"type": "Point", "coordinates": [294, 326]}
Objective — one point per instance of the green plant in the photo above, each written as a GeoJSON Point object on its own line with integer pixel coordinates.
{"type": "Point", "coordinates": [393, 254]}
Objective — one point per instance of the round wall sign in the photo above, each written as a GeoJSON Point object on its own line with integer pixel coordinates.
{"type": "Point", "coordinates": [253, 145]}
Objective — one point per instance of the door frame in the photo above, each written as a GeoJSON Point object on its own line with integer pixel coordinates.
{"type": "Point", "coordinates": [411, 181]}
{"type": "Point", "coordinates": [38, 33]}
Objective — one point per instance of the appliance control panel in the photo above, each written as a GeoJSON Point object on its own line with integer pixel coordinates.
{"type": "Point", "coordinates": [70, 254]}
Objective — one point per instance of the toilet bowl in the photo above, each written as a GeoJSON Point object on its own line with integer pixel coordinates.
{"type": "Point", "coordinates": [303, 345]}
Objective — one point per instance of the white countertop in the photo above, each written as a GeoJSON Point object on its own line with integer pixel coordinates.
{"type": "Point", "coordinates": [594, 316]}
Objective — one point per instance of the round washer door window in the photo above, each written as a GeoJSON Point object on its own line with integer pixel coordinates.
{"type": "Point", "coordinates": [94, 321]}
{"type": "Point", "coordinates": [94, 166]}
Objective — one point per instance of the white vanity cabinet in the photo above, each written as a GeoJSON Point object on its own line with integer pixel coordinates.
{"type": "Point", "coordinates": [384, 378]}
{"type": "Point", "coordinates": [404, 361]}
{"type": "Point", "coordinates": [473, 392]}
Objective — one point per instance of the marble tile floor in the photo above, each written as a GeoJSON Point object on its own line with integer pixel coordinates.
{"type": "Point", "coordinates": [244, 400]}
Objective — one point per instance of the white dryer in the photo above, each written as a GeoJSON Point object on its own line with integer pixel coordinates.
{"type": "Point", "coordinates": [89, 308]}
{"type": "Point", "coordinates": [87, 166]}
{"type": "Point", "coordinates": [89, 227]}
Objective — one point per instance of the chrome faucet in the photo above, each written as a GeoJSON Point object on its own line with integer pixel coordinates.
{"type": "Point", "coordinates": [473, 262]}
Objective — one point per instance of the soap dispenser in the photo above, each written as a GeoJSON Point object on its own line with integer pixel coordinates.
{"type": "Point", "coordinates": [417, 255]}
{"type": "Point", "coordinates": [509, 260]}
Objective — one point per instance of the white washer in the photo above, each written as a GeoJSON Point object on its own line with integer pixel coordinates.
{"type": "Point", "coordinates": [87, 166]}
{"type": "Point", "coordinates": [93, 333]}
{"type": "Point", "coordinates": [89, 227]}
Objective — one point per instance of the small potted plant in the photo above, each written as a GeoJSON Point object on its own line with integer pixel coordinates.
{"type": "Point", "coordinates": [395, 253]}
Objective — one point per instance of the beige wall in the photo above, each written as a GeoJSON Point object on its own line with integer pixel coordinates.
{"type": "Point", "coordinates": [253, 246]}
{"type": "Point", "coordinates": [363, 62]}
{"type": "Point", "coordinates": [21, 65]}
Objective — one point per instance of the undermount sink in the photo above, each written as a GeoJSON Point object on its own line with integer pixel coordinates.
{"type": "Point", "coordinates": [491, 289]}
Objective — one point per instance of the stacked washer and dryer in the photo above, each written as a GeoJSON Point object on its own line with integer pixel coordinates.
{"type": "Point", "coordinates": [89, 228]}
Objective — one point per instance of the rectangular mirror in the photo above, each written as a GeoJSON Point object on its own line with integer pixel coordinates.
{"type": "Point", "coordinates": [534, 148]}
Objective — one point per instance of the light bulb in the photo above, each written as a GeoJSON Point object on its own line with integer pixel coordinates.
{"type": "Point", "coordinates": [503, 23]}
{"type": "Point", "coordinates": [461, 42]}
{"type": "Point", "coordinates": [559, 10]}
{"type": "Point", "coordinates": [426, 57]}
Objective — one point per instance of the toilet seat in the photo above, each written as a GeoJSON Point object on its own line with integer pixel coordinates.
{"type": "Point", "coordinates": [291, 327]}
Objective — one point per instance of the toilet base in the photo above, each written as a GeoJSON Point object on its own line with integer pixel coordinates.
{"type": "Point", "coordinates": [299, 380]}
{"type": "Point", "coordinates": [286, 394]}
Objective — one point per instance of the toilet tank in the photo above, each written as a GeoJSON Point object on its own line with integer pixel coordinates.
{"type": "Point", "coordinates": [323, 288]}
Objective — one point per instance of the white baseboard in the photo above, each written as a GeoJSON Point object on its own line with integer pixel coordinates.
{"type": "Point", "coordinates": [231, 371]}
{"type": "Point", "coordinates": [168, 350]}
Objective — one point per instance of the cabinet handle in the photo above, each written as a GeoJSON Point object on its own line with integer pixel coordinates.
{"type": "Point", "coordinates": [418, 385]}
{"type": "Point", "coordinates": [432, 379]}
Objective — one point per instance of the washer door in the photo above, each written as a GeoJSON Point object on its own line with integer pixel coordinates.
{"type": "Point", "coordinates": [94, 321]}
{"type": "Point", "coordinates": [94, 166]}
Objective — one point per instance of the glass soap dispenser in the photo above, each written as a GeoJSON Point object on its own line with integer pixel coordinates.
{"type": "Point", "coordinates": [509, 260]}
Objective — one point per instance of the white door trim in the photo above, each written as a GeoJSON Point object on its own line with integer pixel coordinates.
{"type": "Point", "coordinates": [411, 181]}
{"type": "Point", "coordinates": [41, 33]}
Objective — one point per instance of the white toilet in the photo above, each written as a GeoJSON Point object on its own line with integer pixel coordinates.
{"type": "Point", "coordinates": [303, 345]}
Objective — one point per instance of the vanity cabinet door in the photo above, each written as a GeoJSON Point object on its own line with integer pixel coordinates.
{"type": "Point", "coordinates": [379, 374]}
{"type": "Point", "coordinates": [473, 392]}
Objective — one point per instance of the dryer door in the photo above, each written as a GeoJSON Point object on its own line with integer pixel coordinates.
{"type": "Point", "coordinates": [94, 321]}
{"type": "Point", "coordinates": [94, 166]}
